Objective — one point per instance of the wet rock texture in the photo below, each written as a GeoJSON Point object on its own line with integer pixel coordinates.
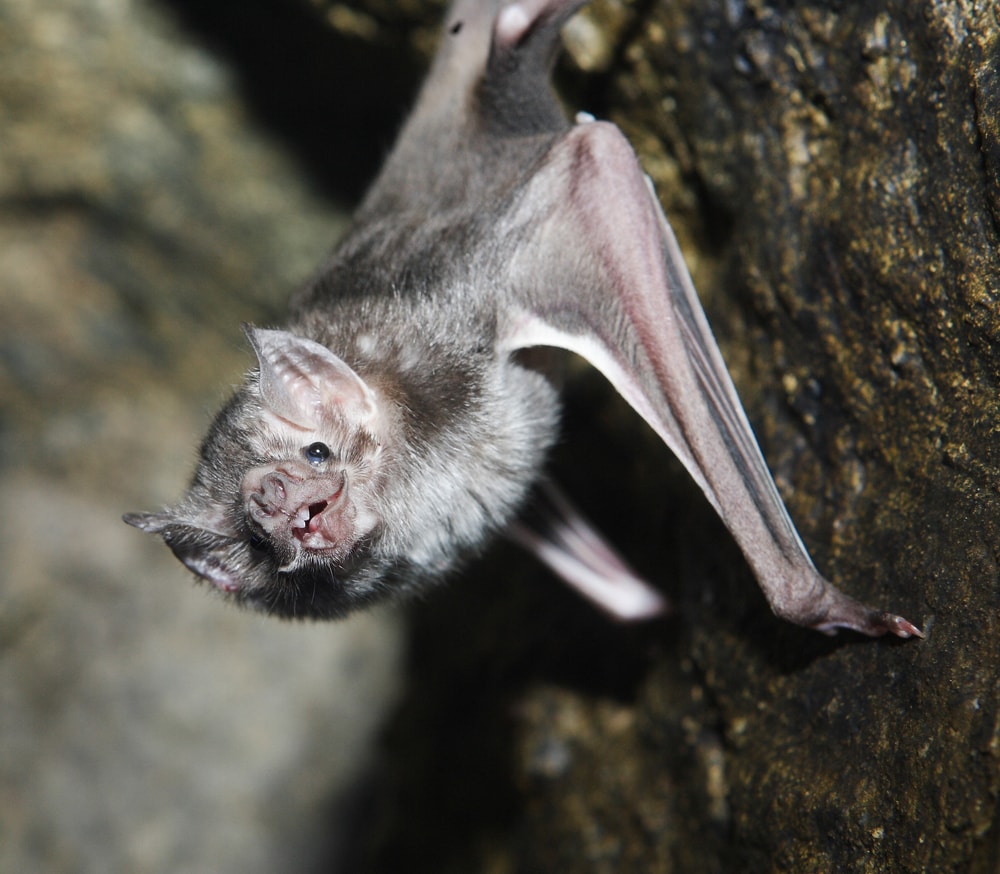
{"type": "Point", "coordinates": [846, 162]}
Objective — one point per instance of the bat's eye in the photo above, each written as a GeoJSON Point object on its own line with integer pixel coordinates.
{"type": "Point", "coordinates": [258, 542]}
{"type": "Point", "coordinates": [317, 453]}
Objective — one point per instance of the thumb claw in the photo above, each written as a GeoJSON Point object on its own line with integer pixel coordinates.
{"type": "Point", "coordinates": [899, 626]}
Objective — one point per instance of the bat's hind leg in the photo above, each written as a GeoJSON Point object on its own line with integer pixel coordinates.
{"type": "Point", "coordinates": [557, 534]}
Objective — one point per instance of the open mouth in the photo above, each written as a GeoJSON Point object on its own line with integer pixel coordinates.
{"type": "Point", "coordinates": [307, 519]}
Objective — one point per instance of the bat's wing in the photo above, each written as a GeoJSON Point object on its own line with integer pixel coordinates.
{"type": "Point", "coordinates": [592, 266]}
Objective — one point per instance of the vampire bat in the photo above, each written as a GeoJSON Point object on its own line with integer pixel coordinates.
{"type": "Point", "coordinates": [390, 428]}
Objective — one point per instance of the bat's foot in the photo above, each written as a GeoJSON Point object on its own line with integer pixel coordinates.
{"type": "Point", "coordinates": [518, 22]}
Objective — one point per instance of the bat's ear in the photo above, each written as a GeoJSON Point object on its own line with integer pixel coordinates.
{"type": "Point", "coordinates": [207, 553]}
{"type": "Point", "coordinates": [302, 381]}
{"type": "Point", "coordinates": [154, 523]}
{"type": "Point", "coordinates": [197, 511]}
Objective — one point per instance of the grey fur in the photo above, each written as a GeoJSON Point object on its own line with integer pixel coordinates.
{"type": "Point", "coordinates": [495, 225]}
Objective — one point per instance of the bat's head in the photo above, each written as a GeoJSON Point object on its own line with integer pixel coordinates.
{"type": "Point", "coordinates": [283, 510]}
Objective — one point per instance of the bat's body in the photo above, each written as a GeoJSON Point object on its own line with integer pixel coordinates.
{"type": "Point", "coordinates": [388, 430]}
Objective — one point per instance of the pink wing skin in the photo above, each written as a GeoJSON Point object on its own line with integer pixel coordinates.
{"type": "Point", "coordinates": [599, 272]}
